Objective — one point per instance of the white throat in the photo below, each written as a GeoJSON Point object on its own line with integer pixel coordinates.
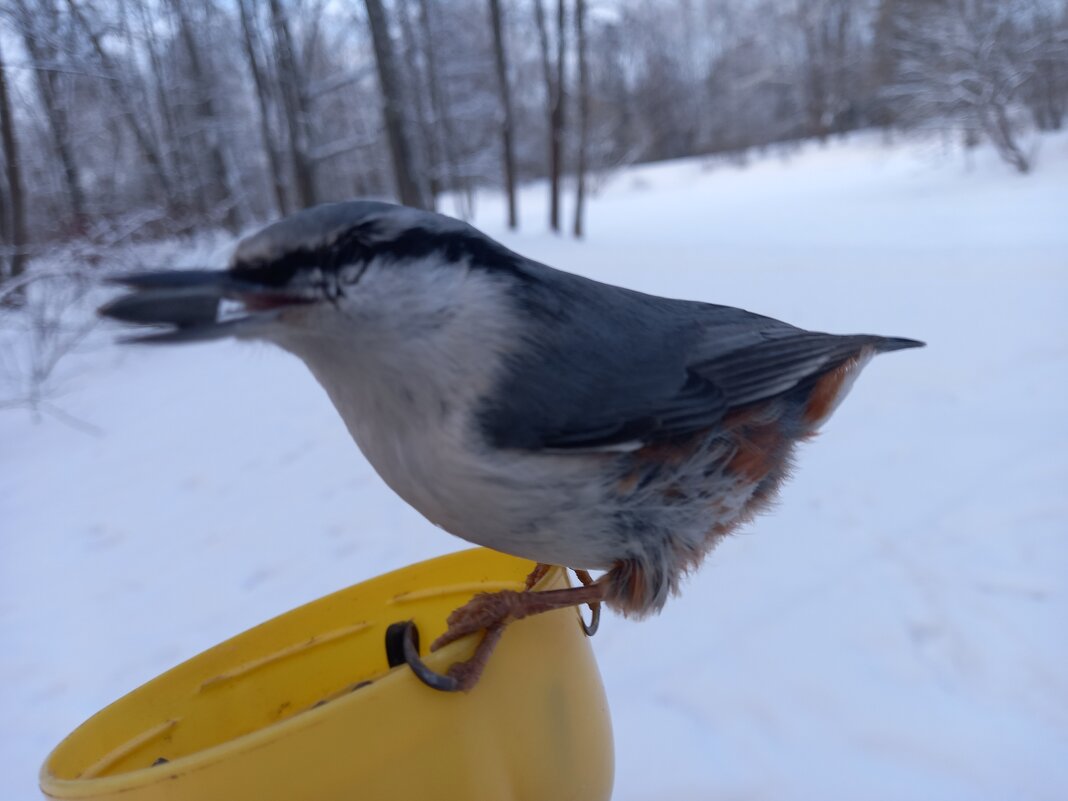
{"type": "Point", "coordinates": [405, 369]}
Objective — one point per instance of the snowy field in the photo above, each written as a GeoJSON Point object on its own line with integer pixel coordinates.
{"type": "Point", "coordinates": [896, 629]}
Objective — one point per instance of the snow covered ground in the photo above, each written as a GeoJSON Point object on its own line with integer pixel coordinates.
{"type": "Point", "coordinates": [895, 629]}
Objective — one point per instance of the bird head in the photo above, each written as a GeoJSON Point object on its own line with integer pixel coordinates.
{"type": "Point", "coordinates": [369, 274]}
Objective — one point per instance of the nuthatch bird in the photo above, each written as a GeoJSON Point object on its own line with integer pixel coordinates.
{"type": "Point", "coordinates": [519, 407]}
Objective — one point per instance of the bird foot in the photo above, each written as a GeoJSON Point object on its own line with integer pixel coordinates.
{"type": "Point", "coordinates": [479, 614]}
{"type": "Point", "coordinates": [539, 572]}
{"type": "Point", "coordinates": [491, 613]}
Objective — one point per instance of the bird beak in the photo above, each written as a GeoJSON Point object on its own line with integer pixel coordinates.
{"type": "Point", "coordinates": [196, 305]}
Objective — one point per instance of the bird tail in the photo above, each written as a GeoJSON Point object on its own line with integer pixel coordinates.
{"type": "Point", "coordinates": [888, 344]}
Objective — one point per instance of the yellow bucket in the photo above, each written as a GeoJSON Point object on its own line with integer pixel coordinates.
{"type": "Point", "coordinates": [305, 706]}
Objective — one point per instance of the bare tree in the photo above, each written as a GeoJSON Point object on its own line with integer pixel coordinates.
{"type": "Point", "coordinates": [427, 157]}
{"type": "Point", "coordinates": [249, 41]}
{"type": "Point", "coordinates": [1044, 41]}
{"type": "Point", "coordinates": [182, 161]}
{"type": "Point", "coordinates": [218, 180]}
{"type": "Point", "coordinates": [294, 99]}
{"type": "Point", "coordinates": [584, 115]}
{"type": "Point", "coordinates": [121, 91]}
{"type": "Point", "coordinates": [825, 27]}
{"type": "Point", "coordinates": [15, 221]}
{"type": "Point", "coordinates": [48, 320]}
{"type": "Point", "coordinates": [408, 188]}
{"type": "Point", "coordinates": [39, 27]}
{"type": "Point", "coordinates": [220, 111]}
{"type": "Point", "coordinates": [553, 73]}
{"type": "Point", "coordinates": [620, 142]}
{"type": "Point", "coordinates": [955, 61]}
{"type": "Point", "coordinates": [507, 116]}
{"type": "Point", "coordinates": [443, 124]}
{"type": "Point", "coordinates": [557, 120]}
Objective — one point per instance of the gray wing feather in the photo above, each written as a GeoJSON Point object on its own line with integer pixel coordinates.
{"type": "Point", "coordinates": [611, 367]}
{"type": "Point", "coordinates": [767, 369]}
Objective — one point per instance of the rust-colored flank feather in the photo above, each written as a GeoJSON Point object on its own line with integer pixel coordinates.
{"type": "Point", "coordinates": [827, 390]}
{"type": "Point", "coordinates": [758, 449]}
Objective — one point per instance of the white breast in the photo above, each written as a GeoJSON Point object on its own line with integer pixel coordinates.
{"type": "Point", "coordinates": [406, 365]}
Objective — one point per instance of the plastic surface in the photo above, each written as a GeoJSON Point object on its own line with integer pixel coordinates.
{"type": "Point", "coordinates": [305, 707]}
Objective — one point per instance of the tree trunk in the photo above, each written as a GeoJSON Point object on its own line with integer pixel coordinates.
{"type": "Point", "coordinates": [408, 189]}
{"type": "Point", "coordinates": [274, 166]}
{"type": "Point", "coordinates": [42, 52]}
{"type": "Point", "coordinates": [995, 121]}
{"type": "Point", "coordinates": [181, 160]}
{"type": "Point", "coordinates": [439, 107]}
{"type": "Point", "coordinates": [584, 115]}
{"type": "Point", "coordinates": [126, 103]}
{"type": "Point", "coordinates": [16, 198]}
{"type": "Point", "coordinates": [507, 124]}
{"type": "Point", "coordinates": [884, 67]}
{"type": "Point", "coordinates": [550, 106]}
{"type": "Point", "coordinates": [220, 185]}
{"type": "Point", "coordinates": [556, 119]}
{"type": "Point", "coordinates": [427, 158]}
{"type": "Point", "coordinates": [296, 112]}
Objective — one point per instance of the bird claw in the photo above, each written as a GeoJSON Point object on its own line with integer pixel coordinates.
{"type": "Point", "coordinates": [488, 613]}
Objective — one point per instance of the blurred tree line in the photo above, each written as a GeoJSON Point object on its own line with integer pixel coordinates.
{"type": "Point", "coordinates": [157, 117]}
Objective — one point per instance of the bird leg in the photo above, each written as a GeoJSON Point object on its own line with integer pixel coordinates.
{"type": "Point", "coordinates": [506, 606]}
{"type": "Point", "coordinates": [538, 573]}
{"type": "Point", "coordinates": [491, 613]}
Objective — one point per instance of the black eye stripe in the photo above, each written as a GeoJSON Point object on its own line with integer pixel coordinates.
{"type": "Point", "coordinates": [362, 243]}
{"type": "Point", "coordinates": [349, 248]}
{"type": "Point", "coordinates": [417, 243]}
